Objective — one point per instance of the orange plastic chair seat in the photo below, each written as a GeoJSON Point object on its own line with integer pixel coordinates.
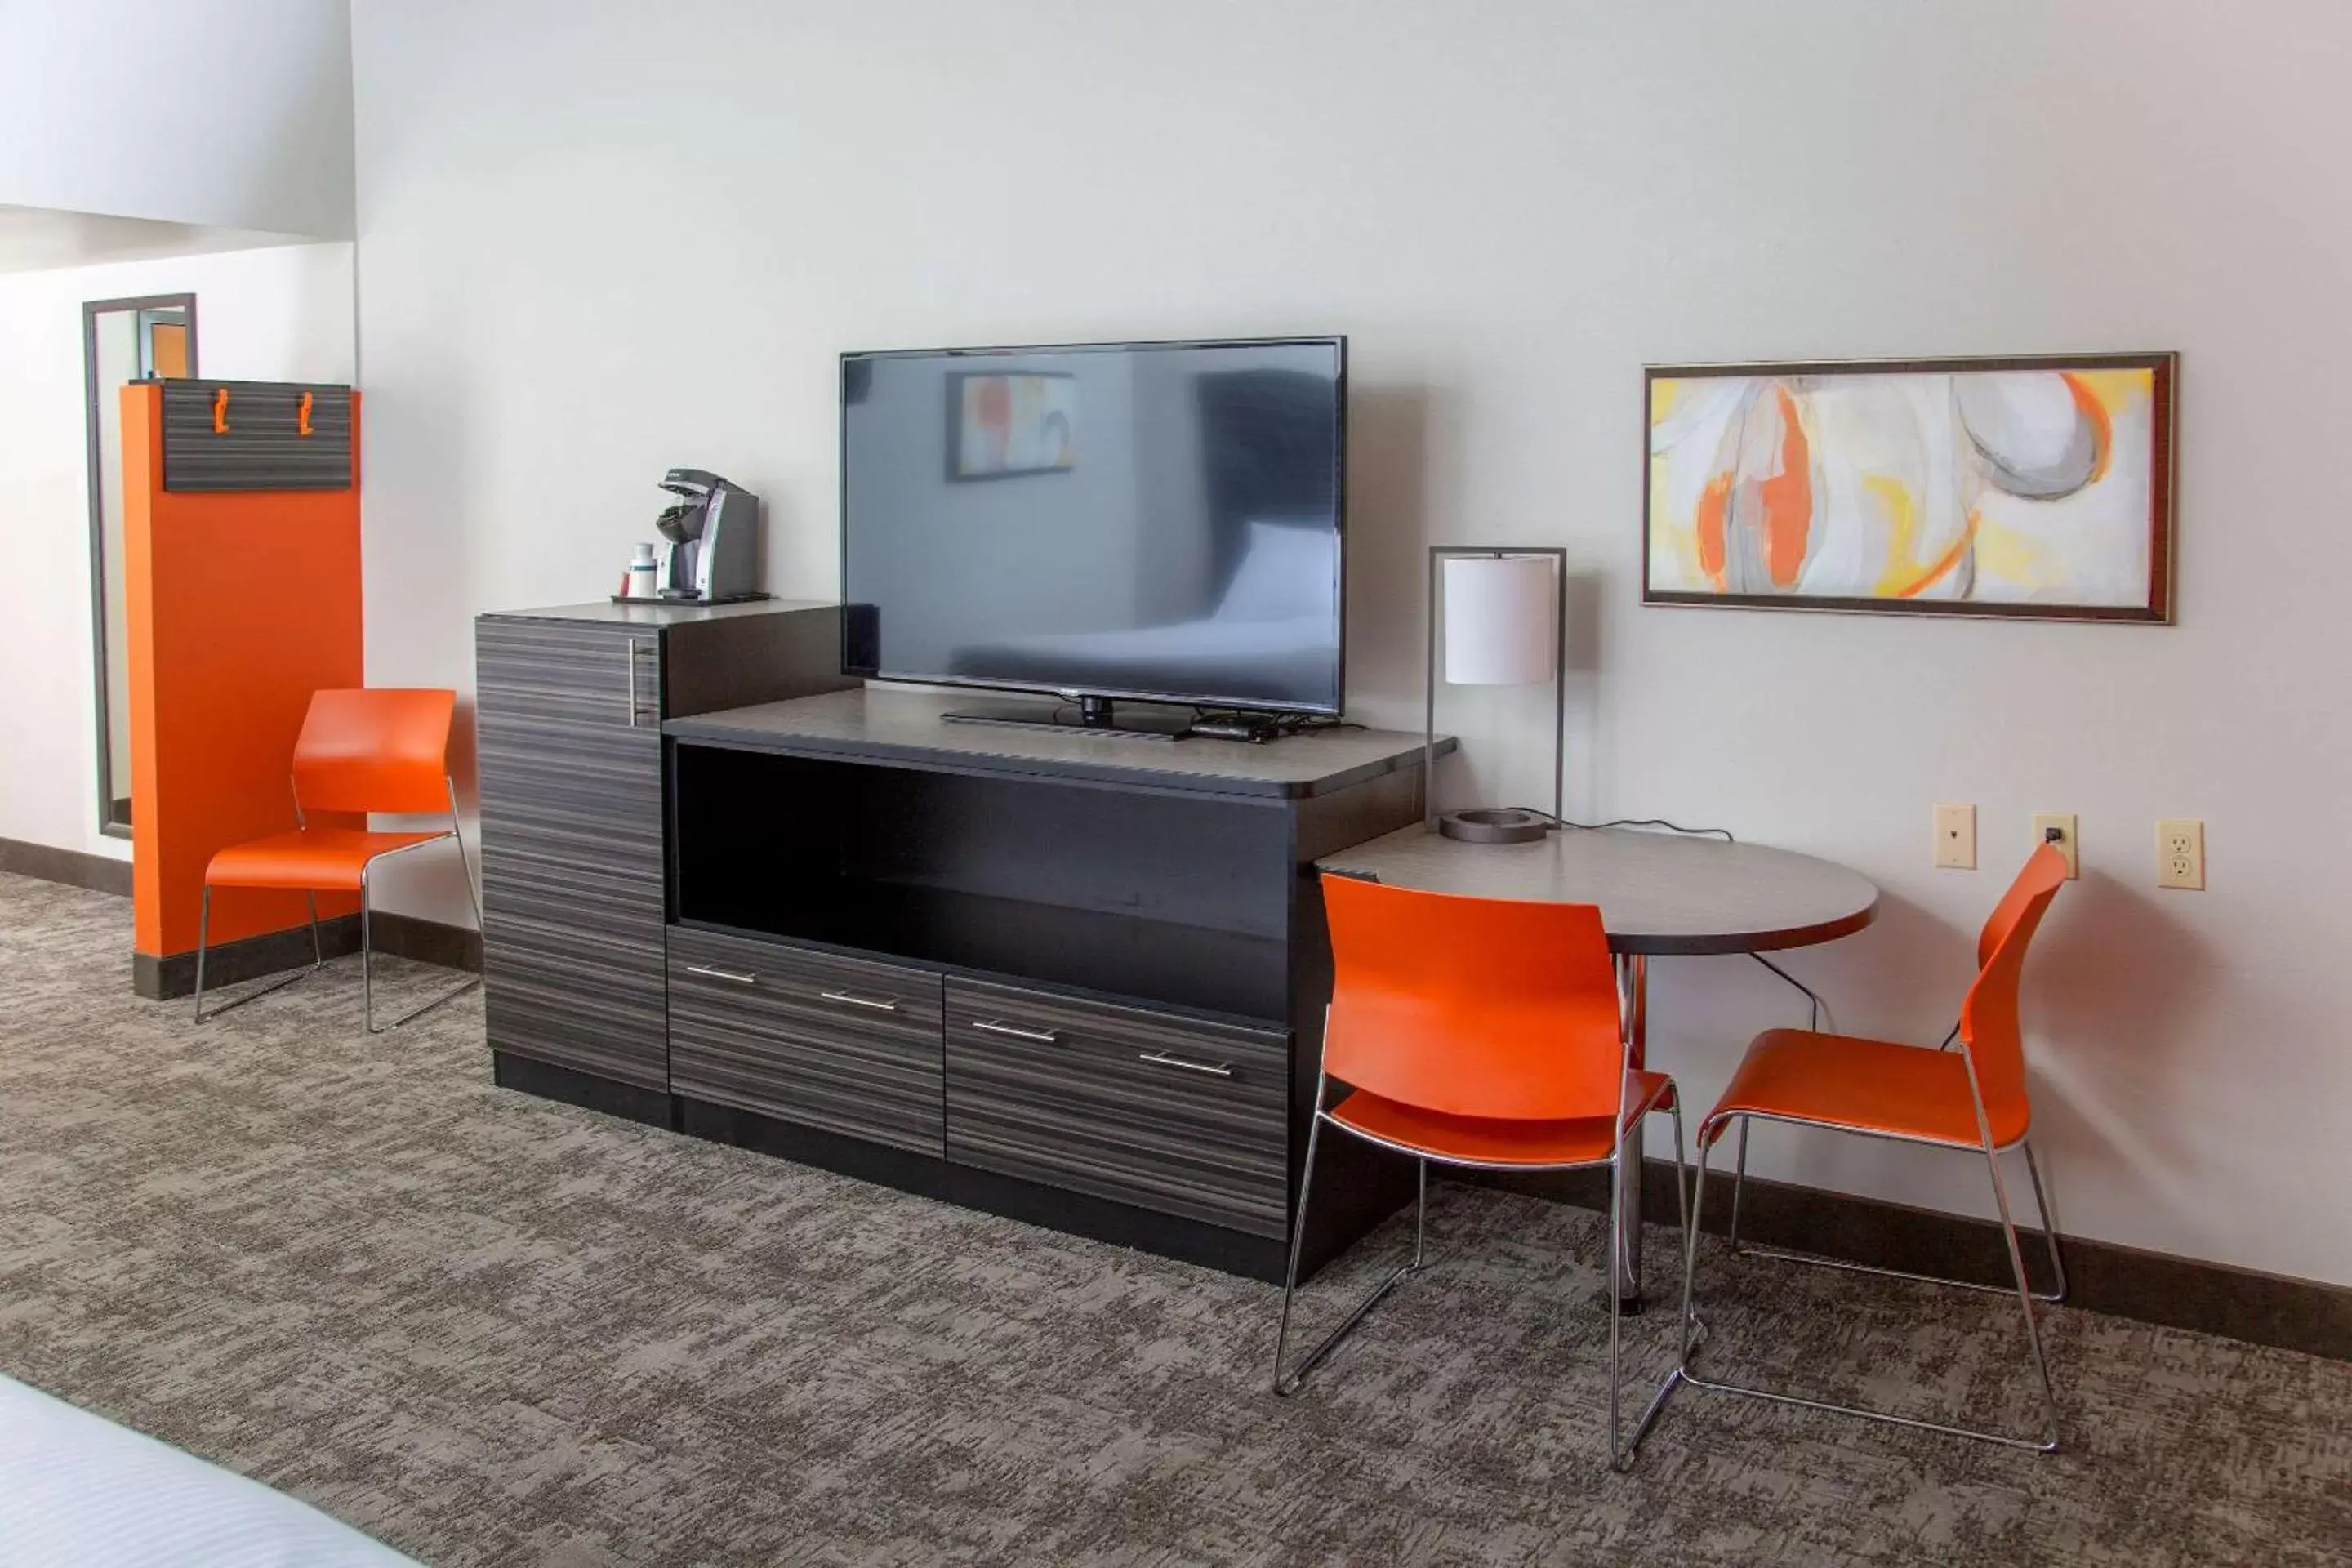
{"type": "Point", "coordinates": [1860, 1085]}
{"type": "Point", "coordinates": [326, 858]}
{"type": "Point", "coordinates": [1492, 1141]}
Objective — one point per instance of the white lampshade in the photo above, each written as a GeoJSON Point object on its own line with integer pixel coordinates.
{"type": "Point", "coordinates": [1500, 625]}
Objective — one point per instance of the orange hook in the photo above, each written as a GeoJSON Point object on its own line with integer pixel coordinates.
{"type": "Point", "coordinates": [220, 411]}
{"type": "Point", "coordinates": [302, 416]}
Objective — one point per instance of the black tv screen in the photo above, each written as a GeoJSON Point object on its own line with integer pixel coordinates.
{"type": "Point", "coordinates": [1152, 520]}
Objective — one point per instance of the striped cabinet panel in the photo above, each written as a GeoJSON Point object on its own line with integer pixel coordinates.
{"type": "Point", "coordinates": [845, 1045]}
{"type": "Point", "coordinates": [250, 435]}
{"type": "Point", "coordinates": [572, 886]}
{"type": "Point", "coordinates": [601, 677]}
{"type": "Point", "coordinates": [1166, 1112]}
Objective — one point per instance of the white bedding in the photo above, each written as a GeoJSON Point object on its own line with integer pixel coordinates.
{"type": "Point", "coordinates": [75, 1488]}
{"type": "Point", "coordinates": [1274, 636]}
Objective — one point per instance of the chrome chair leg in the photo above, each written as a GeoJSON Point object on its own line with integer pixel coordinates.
{"type": "Point", "coordinates": [2025, 1303]}
{"type": "Point", "coordinates": [1690, 1246]}
{"type": "Point", "coordinates": [367, 961]}
{"type": "Point", "coordinates": [1739, 1183]}
{"type": "Point", "coordinates": [367, 946]}
{"type": "Point", "coordinates": [1621, 1460]}
{"type": "Point", "coordinates": [1618, 1459]}
{"type": "Point", "coordinates": [1287, 1384]}
{"type": "Point", "coordinates": [2049, 1226]}
{"type": "Point", "coordinates": [1691, 1342]}
{"type": "Point", "coordinates": [204, 936]}
{"type": "Point", "coordinates": [1815, 1260]}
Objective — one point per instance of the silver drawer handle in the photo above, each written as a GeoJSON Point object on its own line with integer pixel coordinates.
{"type": "Point", "coordinates": [848, 1000]}
{"type": "Point", "coordinates": [632, 646]}
{"type": "Point", "coordinates": [728, 975]}
{"type": "Point", "coordinates": [1222, 1070]}
{"type": "Point", "coordinates": [1041, 1036]}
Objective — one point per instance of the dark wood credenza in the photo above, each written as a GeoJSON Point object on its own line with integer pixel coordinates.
{"type": "Point", "coordinates": [1076, 979]}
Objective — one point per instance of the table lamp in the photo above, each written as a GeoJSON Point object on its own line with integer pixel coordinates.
{"type": "Point", "coordinates": [1505, 612]}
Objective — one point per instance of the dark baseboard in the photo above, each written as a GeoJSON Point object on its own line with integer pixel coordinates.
{"type": "Point", "coordinates": [428, 942]}
{"type": "Point", "coordinates": [2305, 1315]}
{"type": "Point", "coordinates": [652, 1107]}
{"type": "Point", "coordinates": [162, 977]}
{"type": "Point", "coordinates": [74, 867]}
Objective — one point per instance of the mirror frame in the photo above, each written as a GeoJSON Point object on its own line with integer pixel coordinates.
{"type": "Point", "coordinates": [90, 311]}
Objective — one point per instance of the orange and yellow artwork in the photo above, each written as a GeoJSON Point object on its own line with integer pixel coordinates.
{"type": "Point", "coordinates": [2020, 487]}
{"type": "Point", "coordinates": [1004, 427]}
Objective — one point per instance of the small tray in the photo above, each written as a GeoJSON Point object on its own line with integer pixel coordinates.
{"type": "Point", "coordinates": [694, 604]}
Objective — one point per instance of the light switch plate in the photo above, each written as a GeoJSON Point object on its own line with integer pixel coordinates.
{"type": "Point", "coordinates": [1955, 837]}
{"type": "Point", "coordinates": [2181, 853]}
{"type": "Point", "coordinates": [2056, 829]}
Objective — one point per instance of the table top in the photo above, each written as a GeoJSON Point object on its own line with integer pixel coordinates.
{"type": "Point", "coordinates": [880, 723]}
{"type": "Point", "coordinates": [1659, 893]}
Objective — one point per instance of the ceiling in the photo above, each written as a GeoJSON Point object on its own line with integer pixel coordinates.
{"type": "Point", "coordinates": [35, 239]}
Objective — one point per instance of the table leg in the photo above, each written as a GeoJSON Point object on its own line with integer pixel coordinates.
{"type": "Point", "coordinates": [1633, 981]}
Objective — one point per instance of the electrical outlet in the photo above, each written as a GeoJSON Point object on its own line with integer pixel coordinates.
{"type": "Point", "coordinates": [1955, 837]}
{"type": "Point", "coordinates": [2181, 853]}
{"type": "Point", "coordinates": [2056, 829]}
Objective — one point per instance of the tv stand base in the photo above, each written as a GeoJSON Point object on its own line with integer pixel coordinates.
{"type": "Point", "coordinates": [1088, 714]}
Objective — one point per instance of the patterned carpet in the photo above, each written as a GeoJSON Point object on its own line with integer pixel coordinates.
{"type": "Point", "coordinates": [490, 1329]}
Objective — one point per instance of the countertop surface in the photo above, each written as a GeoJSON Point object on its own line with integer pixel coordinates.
{"type": "Point", "coordinates": [656, 612]}
{"type": "Point", "coordinates": [879, 725]}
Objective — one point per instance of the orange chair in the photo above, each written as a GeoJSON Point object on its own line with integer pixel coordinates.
{"type": "Point", "coordinates": [374, 750]}
{"type": "Point", "coordinates": [1480, 1033]}
{"type": "Point", "coordinates": [1974, 1098]}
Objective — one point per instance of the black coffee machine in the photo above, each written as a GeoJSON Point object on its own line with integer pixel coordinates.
{"type": "Point", "coordinates": [709, 553]}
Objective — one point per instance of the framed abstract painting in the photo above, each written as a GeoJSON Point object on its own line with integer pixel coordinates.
{"type": "Point", "coordinates": [1002, 425]}
{"type": "Point", "coordinates": [1973, 487]}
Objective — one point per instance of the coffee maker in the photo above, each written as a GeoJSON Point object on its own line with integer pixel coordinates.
{"type": "Point", "coordinates": [710, 539]}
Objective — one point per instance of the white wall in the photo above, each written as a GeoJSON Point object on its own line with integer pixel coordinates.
{"type": "Point", "coordinates": [234, 114]}
{"type": "Point", "coordinates": [261, 315]}
{"type": "Point", "coordinates": [592, 250]}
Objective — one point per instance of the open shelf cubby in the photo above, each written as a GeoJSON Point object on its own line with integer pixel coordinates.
{"type": "Point", "coordinates": [1176, 899]}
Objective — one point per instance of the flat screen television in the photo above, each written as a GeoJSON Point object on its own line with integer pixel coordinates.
{"type": "Point", "coordinates": [1159, 522]}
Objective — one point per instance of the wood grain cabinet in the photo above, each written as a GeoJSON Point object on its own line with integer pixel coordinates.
{"type": "Point", "coordinates": [1075, 979]}
{"type": "Point", "coordinates": [569, 707]}
{"type": "Point", "coordinates": [1184, 1116]}
{"type": "Point", "coordinates": [844, 1045]}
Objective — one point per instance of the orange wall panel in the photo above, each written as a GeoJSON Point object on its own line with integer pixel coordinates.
{"type": "Point", "coordinates": [240, 606]}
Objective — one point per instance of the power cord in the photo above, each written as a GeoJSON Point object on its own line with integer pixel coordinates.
{"type": "Point", "coordinates": [1812, 996]}
{"type": "Point", "coordinates": [1277, 725]}
{"type": "Point", "coordinates": [1722, 832]}
{"type": "Point", "coordinates": [1816, 1007]}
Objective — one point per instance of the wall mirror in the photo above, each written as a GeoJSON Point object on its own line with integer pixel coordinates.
{"type": "Point", "coordinates": [123, 340]}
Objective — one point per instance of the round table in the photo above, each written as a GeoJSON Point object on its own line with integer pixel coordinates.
{"type": "Point", "coordinates": [1659, 894]}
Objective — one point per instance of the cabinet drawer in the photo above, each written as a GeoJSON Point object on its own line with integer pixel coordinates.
{"type": "Point", "coordinates": [844, 1045]}
{"type": "Point", "coordinates": [1150, 1108]}
{"type": "Point", "coordinates": [547, 672]}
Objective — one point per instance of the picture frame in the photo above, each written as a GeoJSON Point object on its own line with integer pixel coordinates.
{"type": "Point", "coordinates": [1010, 424]}
{"type": "Point", "coordinates": [2036, 486]}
